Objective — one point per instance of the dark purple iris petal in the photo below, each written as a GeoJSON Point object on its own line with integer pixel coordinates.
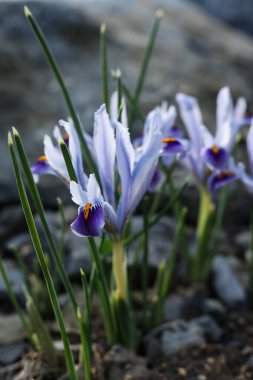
{"type": "Point", "coordinates": [156, 179]}
{"type": "Point", "coordinates": [173, 146]}
{"type": "Point", "coordinates": [41, 167]}
{"type": "Point", "coordinates": [219, 179]}
{"type": "Point", "coordinates": [216, 157]}
{"type": "Point", "coordinates": [92, 225]}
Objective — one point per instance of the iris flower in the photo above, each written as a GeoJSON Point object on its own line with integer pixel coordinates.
{"type": "Point", "coordinates": [114, 150]}
{"type": "Point", "coordinates": [52, 162]}
{"type": "Point", "coordinates": [207, 153]}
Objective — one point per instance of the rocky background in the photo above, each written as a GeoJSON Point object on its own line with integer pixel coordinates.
{"type": "Point", "coordinates": [195, 53]}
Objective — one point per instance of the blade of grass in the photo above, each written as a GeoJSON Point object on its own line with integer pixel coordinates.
{"type": "Point", "coordinates": [85, 345]}
{"type": "Point", "coordinates": [40, 209]}
{"type": "Point", "coordinates": [104, 66]}
{"type": "Point", "coordinates": [146, 59]}
{"type": "Point", "coordinates": [60, 245]}
{"type": "Point", "coordinates": [42, 332]}
{"type": "Point", "coordinates": [41, 258]}
{"type": "Point", "coordinates": [71, 109]}
{"type": "Point", "coordinates": [68, 161]}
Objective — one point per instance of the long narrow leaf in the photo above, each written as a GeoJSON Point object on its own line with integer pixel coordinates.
{"type": "Point", "coordinates": [42, 261]}
{"type": "Point", "coordinates": [40, 209]}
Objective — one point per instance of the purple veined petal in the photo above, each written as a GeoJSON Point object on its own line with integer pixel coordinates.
{"type": "Point", "coordinates": [105, 149]}
{"type": "Point", "coordinates": [90, 220]}
{"type": "Point", "coordinates": [249, 142]}
{"type": "Point", "coordinates": [55, 158]}
{"type": "Point", "coordinates": [173, 145]}
{"type": "Point", "coordinates": [218, 179]}
{"type": "Point", "coordinates": [216, 157]}
{"type": "Point", "coordinates": [75, 152]}
{"type": "Point", "coordinates": [156, 180]}
{"type": "Point", "coordinates": [125, 161]}
{"type": "Point", "coordinates": [191, 116]}
{"type": "Point", "coordinates": [193, 161]}
{"type": "Point", "coordinates": [144, 169]}
{"type": "Point", "coordinates": [114, 109]}
{"type": "Point", "coordinates": [79, 196]}
{"type": "Point", "coordinates": [41, 167]}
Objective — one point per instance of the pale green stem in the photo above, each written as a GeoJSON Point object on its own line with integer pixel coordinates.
{"type": "Point", "coordinates": [119, 270]}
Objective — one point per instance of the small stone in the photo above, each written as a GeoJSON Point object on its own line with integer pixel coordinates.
{"type": "Point", "coordinates": [11, 329]}
{"type": "Point", "coordinates": [227, 286]}
{"type": "Point", "coordinates": [16, 280]}
{"type": "Point", "coordinates": [12, 352]}
{"type": "Point", "coordinates": [202, 377]}
{"type": "Point", "coordinates": [211, 329]}
{"type": "Point", "coordinates": [182, 372]}
{"type": "Point", "coordinates": [173, 307]}
{"type": "Point", "coordinates": [179, 334]}
{"type": "Point", "coordinates": [214, 308]}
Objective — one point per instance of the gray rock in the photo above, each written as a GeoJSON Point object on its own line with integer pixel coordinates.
{"type": "Point", "coordinates": [78, 257]}
{"type": "Point", "coordinates": [180, 335]}
{"type": "Point", "coordinates": [160, 239]}
{"type": "Point", "coordinates": [210, 328]}
{"type": "Point", "coordinates": [11, 219]}
{"type": "Point", "coordinates": [234, 12]}
{"type": "Point", "coordinates": [226, 284]}
{"type": "Point", "coordinates": [214, 308]}
{"type": "Point", "coordinates": [173, 307]}
{"type": "Point", "coordinates": [12, 352]}
{"type": "Point", "coordinates": [16, 280]}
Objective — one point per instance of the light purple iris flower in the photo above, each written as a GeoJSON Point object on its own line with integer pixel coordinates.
{"type": "Point", "coordinates": [52, 162]}
{"type": "Point", "coordinates": [135, 172]}
{"type": "Point", "coordinates": [174, 145]}
{"type": "Point", "coordinates": [207, 152]}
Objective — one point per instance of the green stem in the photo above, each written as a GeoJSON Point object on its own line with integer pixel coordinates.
{"type": "Point", "coordinates": [85, 345]}
{"type": "Point", "coordinates": [145, 268]}
{"type": "Point", "coordinates": [119, 270]}
{"type": "Point", "coordinates": [110, 326]}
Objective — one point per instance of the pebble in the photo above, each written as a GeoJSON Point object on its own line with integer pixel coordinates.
{"type": "Point", "coordinates": [226, 284]}
{"type": "Point", "coordinates": [12, 352]}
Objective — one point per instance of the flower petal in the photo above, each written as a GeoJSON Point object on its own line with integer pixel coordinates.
{"type": "Point", "coordinates": [191, 116]}
{"type": "Point", "coordinates": [219, 179]}
{"type": "Point", "coordinates": [90, 220]}
{"type": "Point", "coordinates": [75, 152]}
{"type": "Point", "coordinates": [125, 162]}
{"type": "Point", "coordinates": [93, 190]}
{"type": "Point", "coordinates": [55, 158]}
{"type": "Point", "coordinates": [215, 157]}
{"type": "Point", "coordinates": [105, 149]}
{"type": "Point", "coordinates": [145, 168]}
{"type": "Point", "coordinates": [79, 196]}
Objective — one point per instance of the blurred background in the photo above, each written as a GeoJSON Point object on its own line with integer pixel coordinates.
{"type": "Point", "coordinates": [201, 46]}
